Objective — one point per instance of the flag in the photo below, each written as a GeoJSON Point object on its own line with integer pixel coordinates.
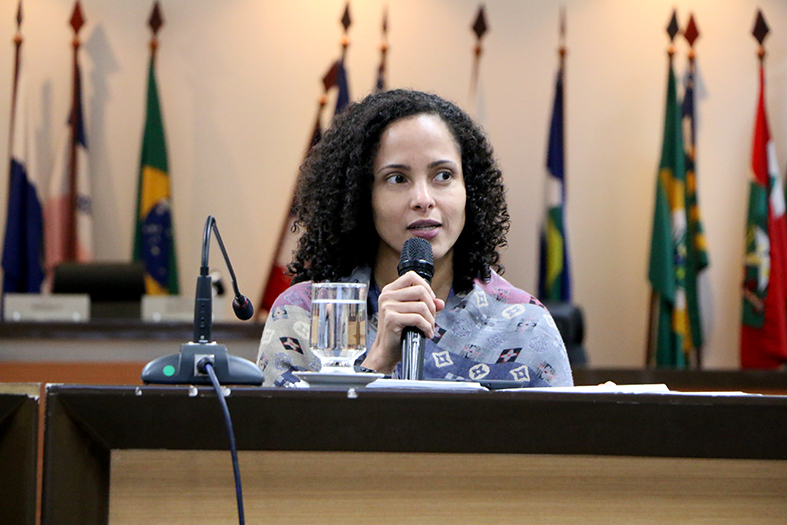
{"type": "Point", "coordinates": [669, 338]}
{"type": "Point", "coordinates": [343, 96]}
{"type": "Point", "coordinates": [554, 282]}
{"type": "Point", "coordinates": [696, 250]}
{"type": "Point", "coordinates": [278, 278]}
{"type": "Point", "coordinates": [764, 323]}
{"type": "Point", "coordinates": [68, 221]}
{"type": "Point", "coordinates": [22, 261]}
{"type": "Point", "coordinates": [154, 235]}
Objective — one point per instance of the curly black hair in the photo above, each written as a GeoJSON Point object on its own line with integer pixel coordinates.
{"type": "Point", "coordinates": [334, 191]}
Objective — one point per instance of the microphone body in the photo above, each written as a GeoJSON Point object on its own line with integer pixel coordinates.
{"type": "Point", "coordinates": [416, 256]}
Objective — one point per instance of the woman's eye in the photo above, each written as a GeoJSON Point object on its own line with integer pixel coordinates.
{"type": "Point", "coordinates": [396, 178]}
{"type": "Point", "coordinates": [443, 176]}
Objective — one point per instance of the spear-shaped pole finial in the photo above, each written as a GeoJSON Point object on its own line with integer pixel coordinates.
{"type": "Point", "coordinates": [346, 23]}
{"type": "Point", "coordinates": [77, 21]}
{"type": "Point", "coordinates": [760, 31]}
{"type": "Point", "coordinates": [480, 28]}
{"type": "Point", "coordinates": [691, 34]}
{"type": "Point", "coordinates": [672, 30]}
{"type": "Point", "coordinates": [155, 22]}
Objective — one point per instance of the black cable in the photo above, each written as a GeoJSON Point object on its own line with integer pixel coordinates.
{"type": "Point", "coordinates": [231, 434]}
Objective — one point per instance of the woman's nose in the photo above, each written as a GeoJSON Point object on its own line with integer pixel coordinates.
{"type": "Point", "coordinates": [422, 196]}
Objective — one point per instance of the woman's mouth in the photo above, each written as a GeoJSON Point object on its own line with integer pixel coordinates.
{"type": "Point", "coordinates": [425, 229]}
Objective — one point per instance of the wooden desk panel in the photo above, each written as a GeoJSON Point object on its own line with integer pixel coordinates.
{"type": "Point", "coordinates": [191, 487]}
{"type": "Point", "coordinates": [597, 448]}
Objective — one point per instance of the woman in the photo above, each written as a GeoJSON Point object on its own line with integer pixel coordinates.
{"type": "Point", "coordinates": [403, 164]}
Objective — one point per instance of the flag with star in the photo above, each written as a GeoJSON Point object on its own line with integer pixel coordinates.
{"type": "Point", "coordinates": [154, 235]}
{"type": "Point", "coordinates": [764, 319]}
{"type": "Point", "coordinates": [668, 338]}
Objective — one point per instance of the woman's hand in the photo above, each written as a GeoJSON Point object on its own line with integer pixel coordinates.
{"type": "Point", "coordinates": [408, 301]}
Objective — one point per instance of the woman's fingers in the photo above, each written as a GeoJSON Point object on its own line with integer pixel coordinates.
{"type": "Point", "coordinates": [415, 314]}
{"type": "Point", "coordinates": [408, 301]}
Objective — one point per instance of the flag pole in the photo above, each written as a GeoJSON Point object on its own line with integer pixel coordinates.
{"type": "Point", "coordinates": [383, 51]}
{"type": "Point", "coordinates": [76, 22]}
{"type": "Point", "coordinates": [17, 59]}
{"type": "Point", "coordinates": [562, 47]}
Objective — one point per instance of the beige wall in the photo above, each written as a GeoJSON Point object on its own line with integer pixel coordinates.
{"type": "Point", "coordinates": [239, 82]}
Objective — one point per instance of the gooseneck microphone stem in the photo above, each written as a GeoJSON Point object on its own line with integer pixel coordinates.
{"type": "Point", "coordinates": [210, 224]}
{"type": "Point", "coordinates": [203, 306]}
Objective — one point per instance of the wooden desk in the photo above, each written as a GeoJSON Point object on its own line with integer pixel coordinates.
{"type": "Point", "coordinates": [18, 452]}
{"type": "Point", "coordinates": [158, 455]}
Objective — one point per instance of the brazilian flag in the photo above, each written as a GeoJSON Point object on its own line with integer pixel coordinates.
{"type": "Point", "coordinates": [554, 276]}
{"type": "Point", "coordinates": [669, 338]}
{"type": "Point", "coordinates": [154, 235]}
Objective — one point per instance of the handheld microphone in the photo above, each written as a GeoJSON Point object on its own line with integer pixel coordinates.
{"type": "Point", "coordinates": [416, 256]}
{"type": "Point", "coordinates": [183, 367]}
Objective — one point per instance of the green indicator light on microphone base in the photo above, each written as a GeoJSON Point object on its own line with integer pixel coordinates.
{"type": "Point", "coordinates": [169, 370]}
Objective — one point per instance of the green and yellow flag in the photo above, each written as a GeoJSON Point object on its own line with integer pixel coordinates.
{"type": "Point", "coordinates": [154, 235]}
{"type": "Point", "coordinates": [669, 337]}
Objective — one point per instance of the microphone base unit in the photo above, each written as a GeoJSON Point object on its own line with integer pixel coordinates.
{"type": "Point", "coordinates": [181, 368]}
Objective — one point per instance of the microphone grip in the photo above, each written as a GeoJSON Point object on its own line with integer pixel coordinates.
{"type": "Point", "coordinates": [413, 350]}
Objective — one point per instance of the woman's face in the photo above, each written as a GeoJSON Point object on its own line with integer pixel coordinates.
{"type": "Point", "coordinates": [418, 188]}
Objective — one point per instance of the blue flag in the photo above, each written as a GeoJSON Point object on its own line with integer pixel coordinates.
{"type": "Point", "coordinates": [343, 97]}
{"type": "Point", "coordinates": [23, 270]}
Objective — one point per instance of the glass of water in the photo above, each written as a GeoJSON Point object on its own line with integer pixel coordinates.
{"type": "Point", "coordinates": [338, 330]}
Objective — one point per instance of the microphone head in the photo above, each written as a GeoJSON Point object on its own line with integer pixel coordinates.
{"type": "Point", "coordinates": [242, 307]}
{"type": "Point", "coordinates": [417, 256]}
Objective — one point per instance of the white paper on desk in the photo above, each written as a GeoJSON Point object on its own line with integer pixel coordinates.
{"type": "Point", "coordinates": [612, 388]}
{"type": "Point", "coordinates": [409, 384]}
{"type": "Point", "coordinates": [606, 388]}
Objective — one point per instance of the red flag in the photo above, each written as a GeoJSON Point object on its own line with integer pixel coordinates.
{"type": "Point", "coordinates": [278, 278]}
{"type": "Point", "coordinates": [764, 328]}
